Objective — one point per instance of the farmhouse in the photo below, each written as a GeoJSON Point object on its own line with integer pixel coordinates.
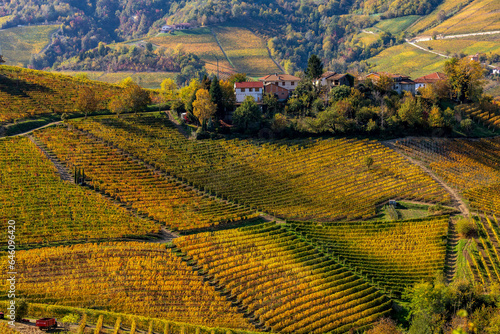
{"type": "Point", "coordinates": [429, 79]}
{"type": "Point", "coordinates": [244, 89]}
{"type": "Point", "coordinates": [332, 79]}
{"type": "Point", "coordinates": [474, 57]}
{"type": "Point", "coordinates": [286, 81]}
{"type": "Point", "coordinates": [402, 83]}
{"type": "Point", "coordinates": [495, 71]}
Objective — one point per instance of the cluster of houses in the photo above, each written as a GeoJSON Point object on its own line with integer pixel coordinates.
{"type": "Point", "coordinates": [282, 85]}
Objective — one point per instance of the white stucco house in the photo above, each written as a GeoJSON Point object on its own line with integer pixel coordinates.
{"type": "Point", "coordinates": [244, 89]}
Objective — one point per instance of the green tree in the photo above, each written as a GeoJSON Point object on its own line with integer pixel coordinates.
{"type": "Point", "coordinates": [314, 67]}
{"type": "Point", "coordinates": [271, 103]}
{"type": "Point", "coordinates": [237, 77]}
{"type": "Point", "coordinates": [339, 93]}
{"type": "Point", "coordinates": [248, 116]}
{"type": "Point", "coordinates": [217, 98]}
{"type": "Point", "coordinates": [465, 79]}
{"type": "Point", "coordinates": [411, 111]}
{"type": "Point", "coordinates": [21, 309]}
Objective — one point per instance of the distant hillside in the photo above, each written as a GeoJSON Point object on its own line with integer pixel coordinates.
{"type": "Point", "coordinates": [28, 93]}
{"type": "Point", "coordinates": [240, 49]}
{"type": "Point", "coordinates": [296, 28]}
{"type": "Point", "coordinates": [20, 43]}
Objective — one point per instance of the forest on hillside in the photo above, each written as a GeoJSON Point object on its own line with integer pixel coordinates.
{"type": "Point", "coordinates": [295, 29]}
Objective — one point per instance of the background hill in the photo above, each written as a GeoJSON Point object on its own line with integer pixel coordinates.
{"type": "Point", "coordinates": [257, 38]}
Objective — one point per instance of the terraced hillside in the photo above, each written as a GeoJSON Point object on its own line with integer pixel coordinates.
{"type": "Point", "coordinates": [134, 184]}
{"type": "Point", "coordinates": [306, 179]}
{"type": "Point", "coordinates": [287, 284]}
{"type": "Point", "coordinates": [394, 255]}
{"type": "Point", "coordinates": [49, 210]}
{"type": "Point", "coordinates": [483, 257]}
{"type": "Point", "coordinates": [19, 44]}
{"type": "Point", "coordinates": [138, 278]}
{"type": "Point", "coordinates": [470, 166]}
{"type": "Point", "coordinates": [246, 51]}
{"type": "Point", "coordinates": [27, 93]}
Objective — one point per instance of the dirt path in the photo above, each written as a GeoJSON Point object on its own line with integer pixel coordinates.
{"type": "Point", "coordinates": [456, 197]}
{"type": "Point", "coordinates": [177, 125]}
{"type": "Point", "coordinates": [30, 131]}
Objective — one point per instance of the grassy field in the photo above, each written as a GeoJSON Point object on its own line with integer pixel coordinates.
{"type": "Point", "coordinates": [246, 50]}
{"type": "Point", "coordinates": [397, 25]}
{"type": "Point", "coordinates": [144, 79]}
{"type": "Point", "coordinates": [406, 59]}
{"type": "Point", "coordinates": [480, 15]}
{"type": "Point", "coordinates": [431, 20]}
{"type": "Point", "coordinates": [198, 41]}
{"type": "Point", "coordinates": [18, 44]}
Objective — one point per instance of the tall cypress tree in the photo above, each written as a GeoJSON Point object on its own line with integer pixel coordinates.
{"type": "Point", "coordinates": [216, 97]}
{"type": "Point", "coordinates": [314, 67]}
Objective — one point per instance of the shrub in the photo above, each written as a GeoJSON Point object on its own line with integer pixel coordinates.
{"type": "Point", "coordinates": [467, 228]}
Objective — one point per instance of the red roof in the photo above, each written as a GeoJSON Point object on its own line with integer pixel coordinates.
{"type": "Point", "coordinates": [279, 77]}
{"type": "Point", "coordinates": [249, 84]}
{"type": "Point", "coordinates": [431, 78]}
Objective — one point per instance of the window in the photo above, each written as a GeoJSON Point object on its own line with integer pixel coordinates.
{"type": "Point", "coordinates": [283, 83]}
{"type": "Point", "coordinates": [276, 83]}
{"type": "Point", "coordinates": [250, 89]}
{"type": "Point", "coordinates": [293, 83]}
{"type": "Point", "coordinates": [243, 90]}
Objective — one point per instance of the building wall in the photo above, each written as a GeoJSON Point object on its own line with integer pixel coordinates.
{"type": "Point", "coordinates": [289, 85]}
{"type": "Point", "coordinates": [241, 95]}
{"type": "Point", "coordinates": [280, 92]}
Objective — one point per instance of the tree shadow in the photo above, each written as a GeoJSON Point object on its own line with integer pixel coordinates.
{"type": "Point", "coordinates": [19, 87]}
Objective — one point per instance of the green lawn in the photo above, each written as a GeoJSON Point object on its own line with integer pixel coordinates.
{"type": "Point", "coordinates": [398, 24]}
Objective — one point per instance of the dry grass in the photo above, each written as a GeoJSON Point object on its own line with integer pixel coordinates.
{"type": "Point", "coordinates": [18, 44]}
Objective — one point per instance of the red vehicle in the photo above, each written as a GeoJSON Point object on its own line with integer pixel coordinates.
{"type": "Point", "coordinates": [46, 323]}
